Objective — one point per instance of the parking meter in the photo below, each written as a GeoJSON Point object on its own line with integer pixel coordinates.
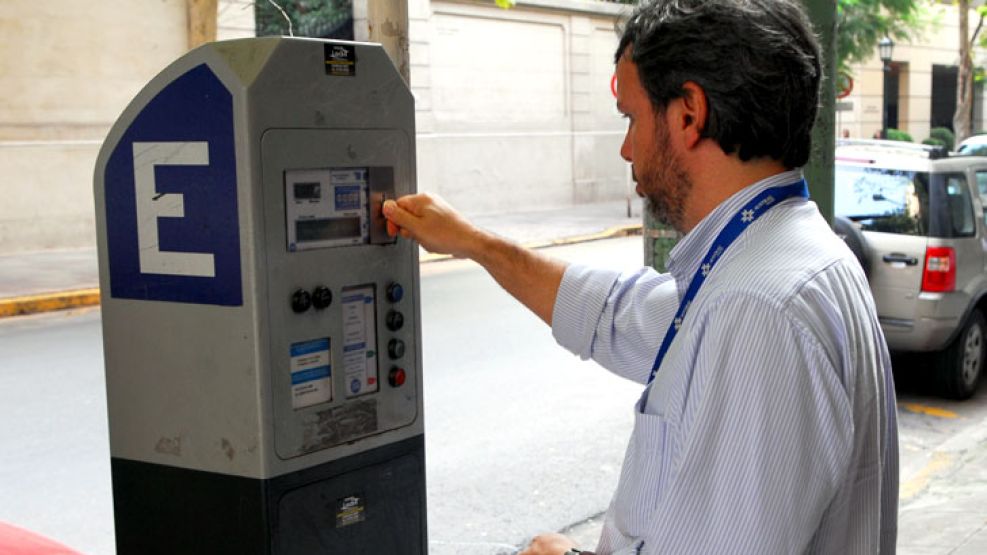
{"type": "Point", "coordinates": [260, 328]}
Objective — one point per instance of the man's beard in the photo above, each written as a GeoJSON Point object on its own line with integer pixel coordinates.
{"type": "Point", "coordinates": [665, 184]}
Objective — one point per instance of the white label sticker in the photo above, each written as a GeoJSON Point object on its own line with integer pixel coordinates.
{"type": "Point", "coordinates": [311, 373]}
{"type": "Point", "coordinates": [359, 341]}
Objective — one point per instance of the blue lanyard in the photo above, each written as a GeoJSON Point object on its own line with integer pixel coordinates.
{"type": "Point", "coordinates": [740, 221]}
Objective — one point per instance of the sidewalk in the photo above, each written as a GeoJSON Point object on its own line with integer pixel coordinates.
{"type": "Point", "coordinates": [59, 279]}
{"type": "Point", "coordinates": [942, 507]}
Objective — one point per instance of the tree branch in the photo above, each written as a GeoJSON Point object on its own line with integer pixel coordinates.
{"type": "Point", "coordinates": [973, 39]}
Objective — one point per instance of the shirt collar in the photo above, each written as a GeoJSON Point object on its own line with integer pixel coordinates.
{"type": "Point", "coordinates": [685, 257]}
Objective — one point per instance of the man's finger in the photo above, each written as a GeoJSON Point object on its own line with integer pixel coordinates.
{"type": "Point", "coordinates": [398, 215]}
{"type": "Point", "coordinates": [392, 229]}
{"type": "Point", "coordinates": [415, 203]}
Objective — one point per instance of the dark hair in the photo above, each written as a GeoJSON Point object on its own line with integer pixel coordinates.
{"type": "Point", "coordinates": [757, 60]}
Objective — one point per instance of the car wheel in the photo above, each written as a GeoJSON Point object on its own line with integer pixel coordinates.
{"type": "Point", "coordinates": [851, 235]}
{"type": "Point", "coordinates": [962, 363]}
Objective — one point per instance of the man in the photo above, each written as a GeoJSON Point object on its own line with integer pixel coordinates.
{"type": "Point", "coordinates": [767, 424]}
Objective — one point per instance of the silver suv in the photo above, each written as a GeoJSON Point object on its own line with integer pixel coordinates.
{"type": "Point", "coordinates": [917, 220]}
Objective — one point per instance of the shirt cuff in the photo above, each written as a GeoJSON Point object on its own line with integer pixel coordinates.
{"type": "Point", "coordinates": [579, 305]}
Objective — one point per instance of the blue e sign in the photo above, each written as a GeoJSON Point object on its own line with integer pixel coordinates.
{"type": "Point", "coordinates": [171, 209]}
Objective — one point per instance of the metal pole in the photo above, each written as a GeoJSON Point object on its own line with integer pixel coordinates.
{"type": "Point", "coordinates": [885, 107]}
{"type": "Point", "coordinates": [819, 171]}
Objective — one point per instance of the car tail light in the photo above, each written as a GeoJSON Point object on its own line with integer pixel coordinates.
{"type": "Point", "coordinates": [939, 275]}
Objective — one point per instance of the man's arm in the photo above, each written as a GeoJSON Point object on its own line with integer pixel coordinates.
{"type": "Point", "coordinates": [531, 277]}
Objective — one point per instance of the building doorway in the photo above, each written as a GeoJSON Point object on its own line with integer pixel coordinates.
{"type": "Point", "coordinates": [944, 99]}
{"type": "Point", "coordinates": [891, 102]}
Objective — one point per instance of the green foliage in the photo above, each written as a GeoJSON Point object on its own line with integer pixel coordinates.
{"type": "Point", "coordinates": [861, 24]}
{"type": "Point", "coordinates": [944, 136]}
{"type": "Point", "coordinates": [309, 18]}
{"type": "Point", "coordinates": [934, 142]}
{"type": "Point", "coordinates": [899, 135]}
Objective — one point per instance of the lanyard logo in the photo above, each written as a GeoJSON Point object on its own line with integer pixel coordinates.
{"type": "Point", "coordinates": [753, 210]}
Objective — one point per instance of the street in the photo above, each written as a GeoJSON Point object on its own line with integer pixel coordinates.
{"type": "Point", "coordinates": [521, 436]}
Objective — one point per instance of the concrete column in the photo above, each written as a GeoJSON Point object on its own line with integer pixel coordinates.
{"type": "Point", "coordinates": [202, 16]}
{"type": "Point", "coordinates": [385, 22]}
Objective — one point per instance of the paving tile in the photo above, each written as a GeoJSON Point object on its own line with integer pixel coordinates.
{"type": "Point", "coordinates": [908, 550]}
{"type": "Point", "coordinates": [976, 545]}
{"type": "Point", "coordinates": [936, 528]}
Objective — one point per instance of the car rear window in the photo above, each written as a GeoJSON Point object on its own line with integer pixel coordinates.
{"type": "Point", "coordinates": [898, 201]}
{"type": "Point", "coordinates": [892, 201]}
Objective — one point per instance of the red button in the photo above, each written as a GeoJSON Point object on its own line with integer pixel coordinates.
{"type": "Point", "coordinates": [396, 377]}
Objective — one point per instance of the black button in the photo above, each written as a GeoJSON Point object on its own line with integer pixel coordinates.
{"type": "Point", "coordinates": [395, 292]}
{"type": "Point", "coordinates": [321, 297]}
{"type": "Point", "coordinates": [301, 301]}
{"type": "Point", "coordinates": [394, 320]}
{"type": "Point", "coordinates": [395, 349]}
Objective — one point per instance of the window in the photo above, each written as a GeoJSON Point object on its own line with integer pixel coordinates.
{"type": "Point", "coordinates": [982, 192]}
{"type": "Point", "coordinates": [879, 199]}
{"type": "Point", "coordinates": [960, 206]}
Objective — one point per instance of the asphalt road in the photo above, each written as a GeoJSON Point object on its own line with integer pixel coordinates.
{"type": "Point", "coordinates": [522, 437]}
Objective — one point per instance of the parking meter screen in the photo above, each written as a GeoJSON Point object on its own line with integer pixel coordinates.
{"type": "Point", "coordinates": [327, 229]}
{"type": "Point", "coordinates": [327, 207]}
{"type": "Point", "coordinates": [308, 191]}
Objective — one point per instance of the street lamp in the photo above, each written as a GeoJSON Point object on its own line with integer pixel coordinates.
{"type": "Point", "coordinates": [885, 49]}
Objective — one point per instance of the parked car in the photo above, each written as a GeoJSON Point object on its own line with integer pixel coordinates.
{"type": "Point", "coordinates": [973, 146]}
{"type": "Point", "coordinates": [916, 219]}
{"type": "Point", "coordinates": [18, 541]}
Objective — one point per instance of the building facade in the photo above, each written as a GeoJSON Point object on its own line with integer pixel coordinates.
{"type": "Point", "coordinates": [922, 83]}
{"type": "Point", "coordinates": [515, 109]}
{"type": "Point", "coordinates": [67, 71]}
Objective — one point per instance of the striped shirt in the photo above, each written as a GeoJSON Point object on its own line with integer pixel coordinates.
{"type": "Point", "coordinates": [771, 424]}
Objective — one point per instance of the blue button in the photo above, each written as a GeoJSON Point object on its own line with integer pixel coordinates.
{"type": "Point", "coordinates": [395, 292]}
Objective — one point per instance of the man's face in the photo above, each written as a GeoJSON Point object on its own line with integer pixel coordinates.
{"type": "Point", "coordinates": [657, 170]}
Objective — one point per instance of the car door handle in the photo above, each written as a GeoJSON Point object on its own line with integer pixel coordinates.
{"type": "Point", "coordinates": [896, 257]}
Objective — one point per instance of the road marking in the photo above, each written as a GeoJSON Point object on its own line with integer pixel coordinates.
{"type": "Point", "coordinates": [920, 480]}
{"type": "Point", "coordinates": [931, 411]}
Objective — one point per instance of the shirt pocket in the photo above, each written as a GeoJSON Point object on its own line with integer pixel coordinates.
{"type": "Point", "coordinates": [643, 476]}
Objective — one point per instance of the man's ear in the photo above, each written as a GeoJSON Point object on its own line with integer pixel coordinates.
{"type": "Point", "coordinates": [694, 113]}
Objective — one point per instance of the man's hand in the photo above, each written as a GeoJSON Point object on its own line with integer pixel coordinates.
{"type": "Point", "coordinates": [530, 277]}
{"type": "Point", "coordinates": [549, 544]}
{"type": "Point", "coordinates": [433, 223]}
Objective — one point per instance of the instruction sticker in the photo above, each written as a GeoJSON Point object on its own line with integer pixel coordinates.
{"type": "Point", "coordinates": [311, 373]}
{"type": "Point", "coordinates": [359, 341]}
{"type": "Point", "coordinates": [350, 510]}
{"type": "Point", "coordinates": [340, 60]}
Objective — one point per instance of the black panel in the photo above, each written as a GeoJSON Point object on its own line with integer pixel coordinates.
{"type": "Point", "coordinates": [370, 510]}
{"type": "Point", "coordinates": [168, 510]}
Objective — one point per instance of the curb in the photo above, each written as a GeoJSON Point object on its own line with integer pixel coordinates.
{"type": "Point", "coordinates": [62, 300]}
{"type": "Point", "coordinates": [610, 233]}
{"type": "Point", "coordinates": [47, 302]}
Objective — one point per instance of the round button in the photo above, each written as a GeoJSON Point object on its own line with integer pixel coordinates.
{"type": "Point", "coordinates": [395, 292]}
{"type": "Point", "coordinates": [395, 349]}
{"type": "Point", "coordinates": [396, 377]}
{"type": "Point", "coordinates": [321, 297]}
{"type": "Point", "coordinates": [301, 301]}
{"type": "Point", "coordinates": [394, 320]}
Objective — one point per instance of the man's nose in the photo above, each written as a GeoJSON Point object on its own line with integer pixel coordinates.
{"type": "Point", "coordinates": [625, 149]}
